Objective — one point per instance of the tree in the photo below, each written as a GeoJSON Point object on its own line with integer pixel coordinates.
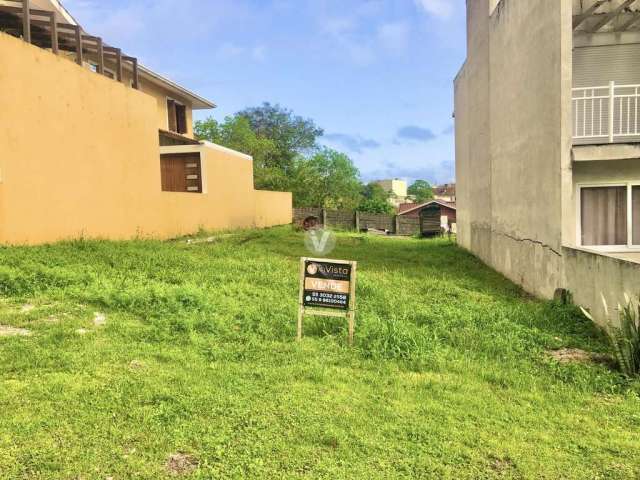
{"type": "Point", "coordinates": [327, 179]}
{"type": "Point", "coordinates": [375, 199]}
{"type": "Point", "coordinates": [286, 156]}
{"type": "Point", "coordinates": [236, 133]}
{"type": "Point", "coordinates": [421, 190]}
{"type": "Point", "coordinates": [292, 135]}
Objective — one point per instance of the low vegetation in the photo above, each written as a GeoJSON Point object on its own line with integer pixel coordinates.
{"type": "Point", "coordinates": [624, 334]}
{"type": "Point", "coordinates": [150, 360]}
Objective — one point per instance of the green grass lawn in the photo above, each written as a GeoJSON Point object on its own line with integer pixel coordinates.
{"type": "Point", "coordinates": [448, 377]}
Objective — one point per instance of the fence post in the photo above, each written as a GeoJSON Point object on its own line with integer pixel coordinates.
{"type": "Point", "coordinates": [324, 217]}
{"type": "Point", "coordinates": [78, 35]}
{"type": "Point", "coordinates": [397, 224]}
{"type": "Point", "coordinates": [357, 220]}
{"type": "Point", "coordinates": [54, 32]}
{"type": "Point", "coordinates": [612, 108]}
{"type": "Point", "coordinates": [26, 21]}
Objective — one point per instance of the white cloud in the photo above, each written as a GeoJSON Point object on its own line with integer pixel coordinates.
{"type": "Point", "coordinates": [437, 8]}
{"type": "Point", "coordinates": [344, 31]}
{"type": "Point", "coordinates": [394, 36]}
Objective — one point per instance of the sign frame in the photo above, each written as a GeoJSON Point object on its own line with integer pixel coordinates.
{"type": "Point", "coordinates": [349, 313]}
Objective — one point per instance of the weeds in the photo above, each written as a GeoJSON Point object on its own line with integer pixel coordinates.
{"type": "Point", "coordinates": [447, 379]}
{"type": "Point", "coordinates": [623, 335]}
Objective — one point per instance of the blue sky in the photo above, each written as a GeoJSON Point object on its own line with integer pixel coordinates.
{"type": "Point", "coordinates": [375, 74]}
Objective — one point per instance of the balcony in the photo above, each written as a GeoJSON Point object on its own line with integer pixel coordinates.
{"type": "Point", "coordinates": [606, 114]}
{"type": "Point", "coordinates": [42, 28]}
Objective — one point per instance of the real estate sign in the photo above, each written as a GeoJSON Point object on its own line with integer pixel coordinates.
{"type": "Point", "coordinates": [327, 288]}
{"type": "Point", "coordinates": [327, 284]}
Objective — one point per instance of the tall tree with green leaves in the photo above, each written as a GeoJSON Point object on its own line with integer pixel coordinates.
{"type": "Point", "coordinates": [236, 133]}
{"type": "Point", "coordinates": [326, 179]}
{"type": "Point", "coordinates": [287, 157]}
{"type": "Point", "coordinates": [375, 199]}
{"type": "Point", "coordinates": [291, 134]}
{"type": "Point", "coordinates": [421, 190]}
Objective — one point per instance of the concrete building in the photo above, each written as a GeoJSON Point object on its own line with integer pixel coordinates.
{"type": "Point", "coordinates": [547, 152]}
{"type": "Point", "coordinates": [93, 144]}
{"type": "Point", "coordinates": [445, 192]}
{"type": "Point", "coordinates": [397, 190]}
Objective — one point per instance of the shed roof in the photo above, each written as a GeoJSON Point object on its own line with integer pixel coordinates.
{"type": "Point", "coordinates": [420, 206]}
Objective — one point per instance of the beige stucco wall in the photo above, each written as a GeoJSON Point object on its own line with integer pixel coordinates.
{"type": "Point", "coordinates": [512, 149]}
{"type": "Point", "coordinates": [79, 156]}
{"type": "Point", "coordinates": [159, 93]}
{"type": "Point", "coordinates": [272, 208]}
{"type": "Point", "coordinates": [228, 200]}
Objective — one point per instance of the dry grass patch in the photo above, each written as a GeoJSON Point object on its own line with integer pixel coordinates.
{"type": "Point", "coordinates": [181, 464]}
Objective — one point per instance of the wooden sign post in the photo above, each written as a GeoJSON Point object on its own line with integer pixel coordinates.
{"type": "Point", "coordinates": [327, 288]}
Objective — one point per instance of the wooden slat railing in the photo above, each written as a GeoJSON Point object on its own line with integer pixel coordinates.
{"type": "Point", "coordinates": [72, 37]}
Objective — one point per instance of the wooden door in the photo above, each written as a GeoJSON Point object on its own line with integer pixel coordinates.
{"type": "Point", "coordinates": [430, 220]}
{"type": "Point", "coordinates": [181, 173]}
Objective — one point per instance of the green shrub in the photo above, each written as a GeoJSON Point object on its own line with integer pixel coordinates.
{"type": "Point", "coordinates": [625, 336]}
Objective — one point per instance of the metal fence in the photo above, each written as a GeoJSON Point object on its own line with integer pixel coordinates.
{"type": "Point", "coordinates": [606, 113]}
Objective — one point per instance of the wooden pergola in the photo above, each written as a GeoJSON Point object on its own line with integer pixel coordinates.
{"type": "Point", "coordinates": [41, 28]}
{"type": "Point", "coordinates": [619, 17]}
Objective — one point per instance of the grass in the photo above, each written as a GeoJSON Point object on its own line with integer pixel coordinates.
{"type": "Point", "coordinates": [448, 378]}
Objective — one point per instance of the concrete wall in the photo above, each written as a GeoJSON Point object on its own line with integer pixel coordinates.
{"type": "Point", "coordinates": [228, 200]}
{"type": "Point", "coordinates": [159, 93]}
{"type": "Point", "coordinates": [79, 156]}
{"type": "Point", "coordinates": [591, 275]}
{"type": "Point", "coordinates": [272, 208]}
{"type": "Point", "coordinates": [512, 144]}
{"type": "Point", "coordinates": [472, 112]}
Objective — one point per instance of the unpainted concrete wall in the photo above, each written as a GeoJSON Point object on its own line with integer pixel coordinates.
{"type": "Point", "coordinates": [592, 276]}
{"type": "Point", "coordinates": [512, 147]}
{"type": "Point", "coordinates": [472, 115]}
{"type": "Point", "coordinates": [79, 156]}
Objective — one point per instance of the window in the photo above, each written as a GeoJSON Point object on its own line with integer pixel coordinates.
{"type": "Point", "coordinates": [177, 114]}
{"type": "Point", "coordinates": [609, 216]}
{"type": "Point", "coordinates": [181, 172]}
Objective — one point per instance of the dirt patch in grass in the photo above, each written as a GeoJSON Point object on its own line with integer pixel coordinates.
{"type": "Point", "coordinates": [6, 331]}
{"type": "Point", "coordinates": [99, 319]}
{"type": "Point", "coordinates": [181, 464]}
{"type": "Point", "coordinates": [136, 365]}
{"type": "Point", "coordinates": [502, 465]}
{"type": "Point", "coordinates": [576, 355]}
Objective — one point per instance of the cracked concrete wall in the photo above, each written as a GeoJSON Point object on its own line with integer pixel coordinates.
{"type": "Point", "coordinates": [513, 149]}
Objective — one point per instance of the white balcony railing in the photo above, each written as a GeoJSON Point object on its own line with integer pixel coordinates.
{"type": "Point", "coordinates": [608, 113]}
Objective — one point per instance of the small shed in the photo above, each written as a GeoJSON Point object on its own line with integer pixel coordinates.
{"type": "Point", "coordinates": [436, 216]}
